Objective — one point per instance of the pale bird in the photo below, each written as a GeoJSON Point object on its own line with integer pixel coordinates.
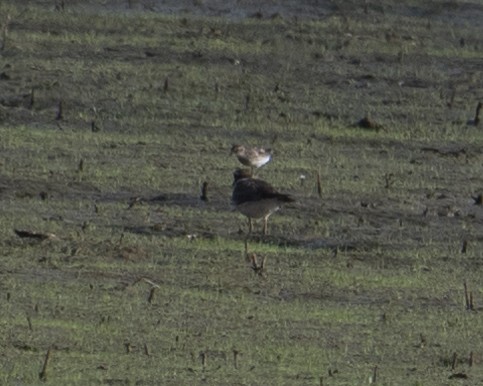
{"type": "Point", "coordinates": [254, 157]}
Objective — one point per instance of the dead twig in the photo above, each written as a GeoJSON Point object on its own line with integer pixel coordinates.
{"type": "Point", "coordinates": [43, 372]}
{"type": "Point", "coordinates": [60, 112]}
{"type": "Point", "coordinates": [34, 235]}
{"type": "Point", "coordinates": [389, 180]}
{"type": "Point", "coordinates": [151, 294]}
{"type": "Point", "coordinates": [235, 358]}
{"type": "Point", "coordinates": [453, 361]}
{"type": "Point", "coordinates": [5, 32]}
{"type": "Point", "coordinates": [94, 127]}
{"type": "Point", "coordinates": [476, 120]}
{"type": "Point", "coordinates": [458, 376]}
{"type": "Point", "coordinates": [247, 102]}
{"type": "Point", "coordinates": [451, 98]}
{"type": "Point", "coordinates": [204, 192]}
{"type": "Point", "coordinates": [135, 200]}
{"type": "Point", "coordinates": [478, 199]}
{"type": "Point", "coordinates": [374, 375]}
{"type": "Point", "coordinates": [204, 359]}
{"type": "Point", "coordinates": [59, 5]}
{"type": "Point", "coordinates": [477, 114]}
{"type": "Point", "coordinates": [146, 280]}
{"type": "Point", "coordinates": [467, 299]}
{"type": "Point", "coordinates": [319, 185]}
{"type": "Point", "coordinates": [150, 282]}
{"type": "Point", "coordinates": [32, 99]}
{"type": "Point", "coordinates": [368, 123]}
{"type": "Point", "coordinates": [422, 341]}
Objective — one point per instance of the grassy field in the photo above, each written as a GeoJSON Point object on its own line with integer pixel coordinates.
{"type": "Point", "coordinates": [110, 122]}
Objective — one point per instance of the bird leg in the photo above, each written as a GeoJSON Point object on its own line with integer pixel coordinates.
{"type": "Point", "coordinates": [265, 225]}
{"type": "Point", "coordinates": [250, 226]}
{"type": "Point", "coordinates": [247, 255]}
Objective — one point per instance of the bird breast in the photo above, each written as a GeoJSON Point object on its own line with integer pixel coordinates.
{"type": "Point", "coordinates": [259, 209]}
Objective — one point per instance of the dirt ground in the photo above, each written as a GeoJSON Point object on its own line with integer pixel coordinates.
{"type": "Point", "coordinates": [454, 11]}
{"type": "Point", "coordinates": [354, 74]}
{"type": "Point", "coordinates": [395, 233]}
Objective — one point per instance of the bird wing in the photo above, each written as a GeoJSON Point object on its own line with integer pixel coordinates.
{"type": "Point", "coordinates": [251, 189]}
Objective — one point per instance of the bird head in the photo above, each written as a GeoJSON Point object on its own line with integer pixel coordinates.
{"type": "Point", "coordinates": [239, 174]}
{"type": "Point", "coordinates": [235, 149]}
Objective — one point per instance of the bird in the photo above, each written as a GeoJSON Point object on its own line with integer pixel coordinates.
{"type": "Point", "coordinates": [256, 198]}
{"type": "Point", "coordinates": [254, 157]}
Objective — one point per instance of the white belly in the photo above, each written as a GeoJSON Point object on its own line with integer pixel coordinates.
{"type": "Point", "coordinates": [260, 161]}
{"type": "Point", "coordinates": [259, 209]}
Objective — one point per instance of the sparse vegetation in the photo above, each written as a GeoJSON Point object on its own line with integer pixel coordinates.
{"type": "Point", "coordinates": [113, 121]}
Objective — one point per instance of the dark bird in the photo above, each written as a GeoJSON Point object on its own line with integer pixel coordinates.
{"type": "Point", "coordinates": [251, 156]}
{"type": "Point", "coordinates": [255, 198]}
